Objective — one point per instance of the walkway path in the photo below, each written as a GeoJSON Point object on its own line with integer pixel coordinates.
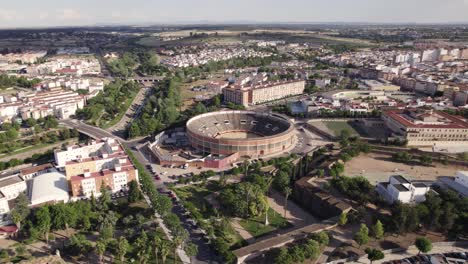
{"type": "Point", "coordinates": [241, 230]}
{"type": "Point", "coordinates": [294, 214]}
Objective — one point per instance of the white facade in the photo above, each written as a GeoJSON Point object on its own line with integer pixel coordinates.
{"type": "Point", "coordinates": [12, 186]}
{"type": "Point", "coordinates": [75, 153]}
{"type": "Point", "coordinates": [400, 189]}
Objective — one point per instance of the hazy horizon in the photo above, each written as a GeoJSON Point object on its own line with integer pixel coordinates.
{"type": "Point", "coordinates": [60, 13]}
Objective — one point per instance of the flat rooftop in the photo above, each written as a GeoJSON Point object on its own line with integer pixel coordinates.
{"type": "Point", "coordinates": [444, 120]}
{"type": "Point", "coordinates": [10, 181]}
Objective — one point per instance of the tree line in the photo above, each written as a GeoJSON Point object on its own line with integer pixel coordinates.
{"type": "Point", "coordinates": [108, 104]}
{"type": "Point", "coordinates": [7, 81]}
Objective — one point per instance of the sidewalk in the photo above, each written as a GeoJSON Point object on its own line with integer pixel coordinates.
{"type": "Point", "coordinates": [242, 232]}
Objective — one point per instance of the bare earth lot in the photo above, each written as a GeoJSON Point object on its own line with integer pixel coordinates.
{"type": "Point", "coordinates": [378, 167]}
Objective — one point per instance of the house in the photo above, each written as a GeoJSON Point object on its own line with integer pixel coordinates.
{"type": "Point", "coordinates": [398, 188]}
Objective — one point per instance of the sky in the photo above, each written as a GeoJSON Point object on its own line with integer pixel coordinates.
{"type": "Point", "coordinates": [53, 13]}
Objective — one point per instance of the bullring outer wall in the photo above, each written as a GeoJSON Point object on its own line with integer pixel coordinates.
{"type": "Point", "coordinates": [253, 147]}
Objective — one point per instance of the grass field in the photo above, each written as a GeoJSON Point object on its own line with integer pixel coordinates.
{"type": "Point", "coordinates": [256, 227]}
{"type": "Point", "coordinates": [337, 127]}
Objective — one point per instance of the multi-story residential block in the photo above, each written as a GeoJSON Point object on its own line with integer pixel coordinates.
{"type": "Point", "coordinates": [398, 188]}
{"type": "Point", "coordinates": [426, 127]}
{"type": "Point", "coordinates": [54, 102]}
{"type": "Point", "coordinates": [57, 102]}
{"type": "Point", "coordinates": [262, 93]}
{"type": "Point", "coordinates": [100, 163]}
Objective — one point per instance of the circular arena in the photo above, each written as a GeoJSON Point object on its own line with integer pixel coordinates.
{"type": "Point", "coordinates": [244, 132]}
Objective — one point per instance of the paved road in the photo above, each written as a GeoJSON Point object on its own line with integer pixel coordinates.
{"type": "Point", "coordinates": [411, 251]}
{"type": "Point", "coordinates": [131, 113]}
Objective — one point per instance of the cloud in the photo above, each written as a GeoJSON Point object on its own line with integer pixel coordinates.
{"type": "Point", "coordinates": [43, 15]}
{"type": "Point", "coordinates": [69, 14]}
{"type": "Point", "coordinates": [7, 15]}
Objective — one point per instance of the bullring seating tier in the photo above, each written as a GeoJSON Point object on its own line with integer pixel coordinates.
{"type": "Point", "coordinates": [218, 123]}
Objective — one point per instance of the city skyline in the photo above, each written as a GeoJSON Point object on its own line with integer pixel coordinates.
{"type": "Point", "coordinates": [54, 13]}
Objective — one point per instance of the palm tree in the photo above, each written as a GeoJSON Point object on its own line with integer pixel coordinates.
{"type": "Point", "coordinates": [179, 238]}
{"type": "Point", "coordinates": [122, 248]}
{"type": "Point", "coordinates": [156, 246]}
{"type": "Point", "coordinates": [246, 167]}
{"type": "Point", "coordinates": [164, 249]}
{"type": "Point", "coordinates": [269, 181]}
{"type": "Point", "coordinates": [287, 192]}
{"type": "Point", "coordinates": [100, 249]}
{"type": "Point", "coordinates": [142, 246]}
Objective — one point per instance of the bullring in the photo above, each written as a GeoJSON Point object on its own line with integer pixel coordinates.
{"type": "Point", "coordinates": [247, 133]}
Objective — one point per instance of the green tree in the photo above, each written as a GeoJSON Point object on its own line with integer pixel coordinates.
{"type": "Point", "coordinates": [134, 193]}
{"type": "Point", "coordinates": [343, 219]}
{"type": "Point", "coordinates": [378, 230]}
{"type": "Point", "coordinates": [21, 210]}
{"type": "Point", "coordinates": [403, 156]}
{"type": "Point", "coordinates": [287, 193]}
{"type": "Point", "coordinates": [43, 221]}
{"type": "Point", "coordinates": [423, 244]}
{"type": "Point", "coordinates": [311, 249]}
{"type": "Point", "coordinates": [4, 255]}
{"type": "Point", "coordinates": [156, 247]}
{"type": "Point", "coordinates": [105, 198]}
{"type": "Point", "coordinates": [122, 248]}
{"type": "Point", "coordinates": [100, 249]}
{"type": "Point", "coordinates": [322, 238]}
{"type": "Point", "coordinates": [20, 249]}
{"type": "Point", "coordinates": [362, 236]}
{"type": "Point", "coordinates": [142, 247]}
{"type": "Point", "coordinates": [425, 159]}
{"type": "Point", "coordinates": [463, 156]}
{"type": "Point", "coordinates": [191, 249]}
{"type": "Point", "coordinates": [200, 108]}
{"type": "Point", "coordinates": [283, 257]}
{"type": "Point", "coordinates": [374, 254]}
{"type": "Point", "coordinates": [31, 122]}
{"type": "Point", "coordinates": [165, 247]}
{"type": "Point", "coordinates": [320, 173]}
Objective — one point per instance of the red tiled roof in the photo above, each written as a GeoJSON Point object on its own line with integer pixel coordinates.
{"type": "Point", "coordinates": [455, 121]}
{"type": "Point", "coordinates": [8, 229]}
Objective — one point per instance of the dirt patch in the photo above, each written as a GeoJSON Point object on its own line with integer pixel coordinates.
{"type": "Point", "coordinates": [378, 168]}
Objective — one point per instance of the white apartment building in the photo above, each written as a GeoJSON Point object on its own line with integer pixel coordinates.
{"type": "Point", "coordinates": [430, 55]}
{"type": "Point", "coordinates": [400, 189]}
{"type": "Point", "coordinates": [79, 152]}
